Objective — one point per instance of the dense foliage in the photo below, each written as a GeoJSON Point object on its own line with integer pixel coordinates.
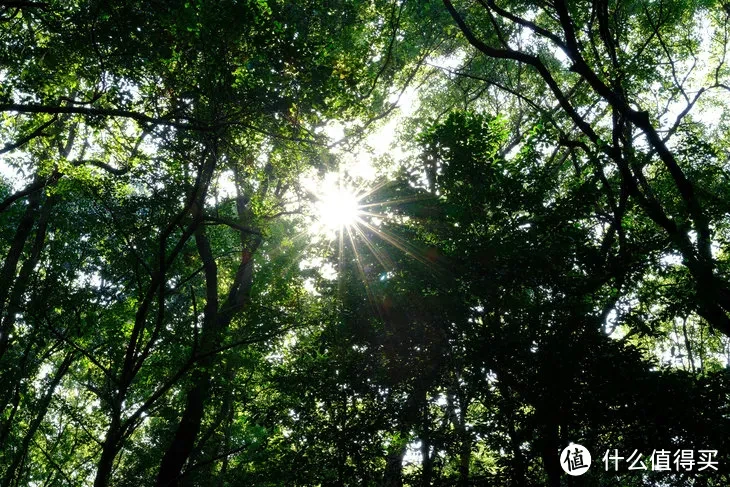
{"type": "Point", "coordinates": [543, 259]}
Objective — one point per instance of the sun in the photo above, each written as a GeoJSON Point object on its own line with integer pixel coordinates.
{"type": "Point", "coordinates": [356, 218]}
{"type": "Point", "coordinates": [337, 206]}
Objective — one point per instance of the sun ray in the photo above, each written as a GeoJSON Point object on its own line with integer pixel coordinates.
{"type": "Point", "coordinates": [365, 280]}
{"type": "Point", "coordinates": [371, 190]}
{"type": "Point", "coordinates": [408, 199]}
{"type": "Point", "coordinates": [381, 216]}
{"type": "Point", "coordinates": [397, 243]}
{"type": "Point", "coordinates": [342, 218]}
{"type": "Point", "coordinates": [341, 255]}
{"type": "Point", "coordinates": [382, 257]}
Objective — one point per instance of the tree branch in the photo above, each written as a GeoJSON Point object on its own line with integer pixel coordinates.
{"type": "Point", "coordinates": [232, 224]}
{"type": "Point", "coordinates": [24, 140]}
{"type": "Point", "coordinates": [104, 112]}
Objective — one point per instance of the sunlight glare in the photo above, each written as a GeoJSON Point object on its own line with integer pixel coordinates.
{"type": "Point", "coordinates": [337, 207]}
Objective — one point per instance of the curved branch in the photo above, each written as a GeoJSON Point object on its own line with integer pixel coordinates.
{"type": "Point", "coordinates": [30, 189]}
{"type": "Point", "coordinates": [524, 23]}
{"type": "Point", "coordinates": [104, 112]}
{"type": "Point", "coordinates": [102, 165]}
{"type": "Point", "coordinates": [533, 61]}
{"type": "Point", "coordinates": [232, 224]}
{"type": "Point", "coordinates": [53, 179]}
{"type": "Point", "coordinates": [24, 140]}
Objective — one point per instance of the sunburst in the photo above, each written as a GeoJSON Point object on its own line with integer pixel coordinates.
{"type": "Point", "coordinates": [347, 213]}
{"type": "Point", "coordinates": [337, 207]}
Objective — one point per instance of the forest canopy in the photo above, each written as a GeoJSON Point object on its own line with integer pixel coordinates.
{"type": "Point", "coordinates": [364, 242]}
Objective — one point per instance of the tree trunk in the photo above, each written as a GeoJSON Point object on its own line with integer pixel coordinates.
{"type": "Point", "coordinates": [187, 431]}
{"type": "Point", "coordinates": [42, 409]}
{"type": "Point", "coordinates": [109, 450]}
{"type": "Point", "coordinates": [550, 455]}
{"type": "Point", "coordinates": [393, 476]}
{"type": "Point", "coordinates": [215, 321]}
{"type": "Point", "coordinates": [7, 275]}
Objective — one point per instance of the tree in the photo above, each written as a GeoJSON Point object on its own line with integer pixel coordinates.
{"type": "Point", "coordinates": [598, 62]}
{"type": "Point", "coordinates": [550, 274]}
{"type": "Point", "coordinates": [128, 119]}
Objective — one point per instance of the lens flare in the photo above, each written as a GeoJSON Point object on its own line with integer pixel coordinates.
{"type": "Point", "coordinates": [338, 207]}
